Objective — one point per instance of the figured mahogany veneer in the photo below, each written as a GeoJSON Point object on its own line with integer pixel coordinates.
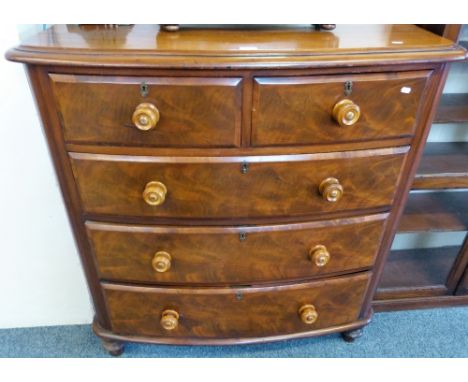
{"type": "Point", "coordinates": [194, 111]}
{"type": "Point", "coordinates": [233, 255]}
{"type": "Point", "coordinates": [232, 313]}
{"type": "Point", "coordinates": [218, 187]}
{"type": "Point", "coordinates": [297, 110]}
{"type": "Point", "coordinates": [230, 186]}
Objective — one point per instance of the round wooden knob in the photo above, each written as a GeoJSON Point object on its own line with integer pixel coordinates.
{"type": "Point", "coordinates": [319, 255]}
{"type": "Point", "coordinates": [169, 319]}
{"type": "Point", "coordinates": [346, 112]}
{"type": "Point", "coordinates": [155, 193]}
{"type": "Point", "coordinates": [161, 261]}
{"type": "Point", "coordinates": [145, 117]}
{"type": "Point", "coordinates": [308, 314]}
{"type": "Point", "coordinates": [331, 190]}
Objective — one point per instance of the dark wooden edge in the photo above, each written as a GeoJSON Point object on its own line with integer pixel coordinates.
{"type": "Point", "coordinates": [426, 114]}
{"type": "Point", "coordinates": [40, 86]}
{"type": "Point", "coordinates": [139, 59]}
{"type": "Point", "coordinates": [239, 151]}
{"type": "Point", "coordinates": [461, 263]}
{"type": "Point", "coordinates": [462, 288]}
{"type": "Point", "coordinates": [419, 303]}
{"type": "Point", "coordinates": [395, 293]}
{"type": "Point", "coordinates": [109, 335]}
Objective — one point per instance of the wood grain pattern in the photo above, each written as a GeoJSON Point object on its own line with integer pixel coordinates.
{"type": "Point", "coordinates": [209, 190]}
{"type": "Point", "coordinates": [234, 312]}
{"type": "Point", "coordinates": [211, 255]}
{"type": "Point", "coordinates": [215, 187]}
{"type": "Point", "coordinates": [140, 46]}
{"type": "Point", "coordinates": [427, 113]}
{"type": "Point", "coordinates": [109, 335]}
{"type": "Point", "coordinates": [194, 112]}
{"type": "Point", "coordinates": [298, 110]}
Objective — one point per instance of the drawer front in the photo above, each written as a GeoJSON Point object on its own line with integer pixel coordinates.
{"type": "Point", "coordinates": [230, 255]}
{"type": "Point", "coordinates": [299, 110]}
{"type": "Point", "coordinates": [193, 111]}
{"type": "Point", "coordinates": [236, 187]}
{"type": "Point", "coordinates": [208, 313]}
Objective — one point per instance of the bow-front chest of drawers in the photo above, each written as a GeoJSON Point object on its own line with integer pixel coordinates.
{"type": "Point", "coordinates": [230, 186]}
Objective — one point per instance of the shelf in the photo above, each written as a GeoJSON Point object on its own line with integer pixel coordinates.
{"type": "Point", "coordinates": [416, 273]}
{"type": "Point", "coordinates": [435, 211]}
{"type": "Point", "coordinates": [443, 165]}
{"type": "Point", "coordinates": [453, 108]}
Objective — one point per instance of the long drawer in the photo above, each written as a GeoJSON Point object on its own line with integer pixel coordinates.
{"type": "Point", "coordinates": [237, 187]}
{"type": "Point", "coordinates": [309, 109]}
{"type": "Point", "coordinates": [149, 111]}
{"type": "Point", "coordinates": [234, 255]}
{"type": "Point", "coordinates": [208, 313]}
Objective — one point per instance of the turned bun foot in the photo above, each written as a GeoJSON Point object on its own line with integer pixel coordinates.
{"type": "Point", "coordinates": [170, 27]}
{"type": "Point", "coordinates": [325, 27]}
{"type": "Point", "coordinates": [351, 335]}
{"type": "Point", "coordinates": [114, 348]}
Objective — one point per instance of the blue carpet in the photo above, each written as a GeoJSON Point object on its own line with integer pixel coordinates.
{"type": "Point", "coordinates": [423, 333]}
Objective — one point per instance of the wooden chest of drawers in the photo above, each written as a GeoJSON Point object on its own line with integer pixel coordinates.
{"type": "Point", "coordinates": [234, 188]}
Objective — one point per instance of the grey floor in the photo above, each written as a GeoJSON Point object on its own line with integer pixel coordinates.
{"type": "Point", "coordinates": [421, 333]}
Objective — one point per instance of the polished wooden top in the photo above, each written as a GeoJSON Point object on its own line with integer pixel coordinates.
{"type": "Point", "coordinates": [233, 46]}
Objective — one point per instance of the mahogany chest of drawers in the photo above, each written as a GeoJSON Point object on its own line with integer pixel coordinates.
{"type": "Point", "coordinates": [231, 187]}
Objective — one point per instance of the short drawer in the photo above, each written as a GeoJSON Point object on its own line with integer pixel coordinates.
{"type": "Point", "coordinates": [234, 255]}
{"type": "Point", "coordinates": [248, 312]}
{"type": "Point", "coordinates": [187, 111]}
{"type": "Point", "coordinates": [237, 187]}
{"type": "Point", "coordinates": [299, 110]}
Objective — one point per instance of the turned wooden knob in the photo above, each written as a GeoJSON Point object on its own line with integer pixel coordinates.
{"type": "Point", "coordinates": [346, 112]}
{"type": "Point", "coordinates": [155, 193]}
{"type": "Point", "coordinates": [145, 117]}
{"type": "Point", "coordinates": [169, 319]}
{"type": "Point", "coordinates": [308, 314]}
{"type": "Point", "coordinates": [161, 261]}
{"type": "Point", "coordinates": [331, 189]}
{"type": "Point", "coordinates": [319, 255]}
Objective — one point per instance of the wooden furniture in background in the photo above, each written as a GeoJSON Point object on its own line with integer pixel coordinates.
{"type": "Point", "coordinates": [430, 277]}
{"type": "Point", "coordinates": [231, 187]}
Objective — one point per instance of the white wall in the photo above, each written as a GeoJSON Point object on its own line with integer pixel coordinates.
{"type": "Point", "coordinates": [41, 281]}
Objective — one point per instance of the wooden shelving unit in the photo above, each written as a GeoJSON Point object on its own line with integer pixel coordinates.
{"type": "Point", "coordinates": [435, 212]}
{"type": "Point", "coordinates": [444, 165]}
{"type": "Point", "coordinates": [430, 277]}
{"type": "Point", "coordinates": [453, 108]}
{"type": "Point", "coordinates": [417, 273]}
